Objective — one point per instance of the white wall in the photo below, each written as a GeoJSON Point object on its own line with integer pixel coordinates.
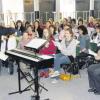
{"type": "Point", "coordinates": [13, 10]}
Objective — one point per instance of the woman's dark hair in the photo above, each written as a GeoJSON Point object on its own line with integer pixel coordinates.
{"type": "Point", "coordinates": [84, 29]}
{"type": "Point", "coordinates": [27, 24]}
{"type": "Point", "coordinates": [28, 27]}
{"type": "Point", "coordinates": [73, 20]}
{"type": "Point", "coordinates": [36, 21]}
{"type": "Point", "coordinates": [80, 20]}
{"type": "Point", "coordinates": [18, 21]}
{"type": "Point", "coordinates": [22, 29]}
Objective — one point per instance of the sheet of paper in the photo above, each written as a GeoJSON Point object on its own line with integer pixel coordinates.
{"type": "Point", "coordinates": [92, 53]}
{"type": "Point", "coordinates": [36, 43]}
{"type": "Point", "coordinates": [77, 42]}
{"type": "Point", "coordinates": [45, 56]}
{"type": "Point", "coordinates": [98, 44]}
{"type": "Point", "coordinates": [3, 56]}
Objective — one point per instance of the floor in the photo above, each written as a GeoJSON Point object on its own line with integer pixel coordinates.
{"type": "Point", "coordinates": [76, 89]}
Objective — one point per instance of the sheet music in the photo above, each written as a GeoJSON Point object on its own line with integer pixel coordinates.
{"type": "Point", "coordinates": [45, 56]}
{"type": "Point", "coordinates": [36, 43]}
{"type": "Point", "coordinates": [98, 44]}
{"type": "Point", "coordinates": [77, 42]}
{"type": "Point", "coordinates": [92, 53]}
{"type": "Point", "coordinates": [3, 56]}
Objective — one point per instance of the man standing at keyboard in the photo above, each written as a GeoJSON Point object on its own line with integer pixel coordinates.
{"type": "Point", "coordinates": [8, 42]}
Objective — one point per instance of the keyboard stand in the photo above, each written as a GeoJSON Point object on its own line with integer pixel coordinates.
{"type": "Point", "coordinates": [37, 85]}
{"type": "Point", "coordinates": [33, 82]}
{"type": "Point", "coordinates": [19, 80]}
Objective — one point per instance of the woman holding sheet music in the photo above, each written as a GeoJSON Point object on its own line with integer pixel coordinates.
{"type": "Point", "coordinates": [49, 47]}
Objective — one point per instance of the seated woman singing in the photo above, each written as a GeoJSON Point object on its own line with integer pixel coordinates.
{"type": "Point", "coordinates": [27, 37]}
{"type": "Point", "coordinates": [49, 48]}
{"type": "Point", "coordinates": [67, 48]}
{"type": "Point", "coordinates": [84, 39]}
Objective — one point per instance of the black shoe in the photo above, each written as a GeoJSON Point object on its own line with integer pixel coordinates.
{"type": "Point", "coordinates": [11, 73]}
{"type": "Point", "coordinates": [96, 92]}
{"type": "Point", "coordinates": [91, 90]}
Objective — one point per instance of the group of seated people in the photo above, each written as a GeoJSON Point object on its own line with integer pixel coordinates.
{"type": "Point", "coordinates": [64, 36]}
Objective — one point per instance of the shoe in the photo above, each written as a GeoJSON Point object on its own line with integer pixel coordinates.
{"type": "Point", "coordinates": [55, 74]}
{"type": "Point", "coordinates": [91, 90]}
{"type": "Point", "coordinates": [11, 73]}
{"type": "Point", "coordinates": [46, 74]}
{"type": "Point", "coordinates": [96, 92]}
{"type": "Point", "coordinates": [42, 74]}
{"type": "Point", "coordinates": [54, 81]}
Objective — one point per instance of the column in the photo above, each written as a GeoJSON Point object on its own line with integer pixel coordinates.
{"type": "Point", "coordinates": [57, 9]}
{"type": "Point", "coordinates": [1, 15]}
{"type": "Point", "coordinates": [36, 8]}
{"type": "Point", "coordinates": [92, 8]}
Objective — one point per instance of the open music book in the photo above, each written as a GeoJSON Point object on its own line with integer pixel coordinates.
{"type": "Point", "coordinates": [36, 43]}
{"type": "Point", "coordinates": [92, 52]}
{"type": "Point", "coordinates": [45, 56]}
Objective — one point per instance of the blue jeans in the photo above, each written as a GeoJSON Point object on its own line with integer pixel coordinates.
{"type": "Point", "coordinates": [60, 59]}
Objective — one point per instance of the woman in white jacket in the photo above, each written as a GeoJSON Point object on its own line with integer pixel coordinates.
{"type": "Point", "coordinates": [67, 48]}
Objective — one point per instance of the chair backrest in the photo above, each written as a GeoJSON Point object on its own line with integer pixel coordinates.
{"type": "Point", "coordinates": [77, 50]}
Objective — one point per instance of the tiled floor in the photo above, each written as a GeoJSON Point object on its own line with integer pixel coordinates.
{"type": "Point", "coordinates": [76, 89]}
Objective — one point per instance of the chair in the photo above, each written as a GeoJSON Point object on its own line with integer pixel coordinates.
{"type": "Point", "coordinates": [85, 58]}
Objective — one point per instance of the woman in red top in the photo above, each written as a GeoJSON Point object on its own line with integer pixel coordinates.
{"type": "Point", "coordinates": [49, 48]}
